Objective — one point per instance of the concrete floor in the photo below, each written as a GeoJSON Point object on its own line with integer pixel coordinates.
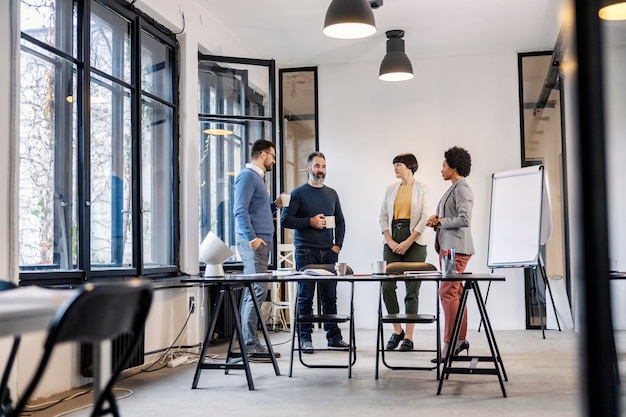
{"type": "Point", "coordinates": [543, 381]}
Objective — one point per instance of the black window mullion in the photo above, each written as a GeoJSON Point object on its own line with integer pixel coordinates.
{"type": "Point", "coordinates": [136, 141]}
{"type": "Point", "coordinates": [84, 147]}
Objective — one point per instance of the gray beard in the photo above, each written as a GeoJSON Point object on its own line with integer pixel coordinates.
{"type": "Point", "coordinates": [316, 180]}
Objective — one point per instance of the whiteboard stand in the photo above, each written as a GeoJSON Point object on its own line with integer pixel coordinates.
{"type": "Point", "coordinates": [540, 268]}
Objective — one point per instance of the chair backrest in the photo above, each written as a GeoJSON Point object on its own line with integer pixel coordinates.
{"type": "Point", "coordinates": [102, 311]}
{"type": "Point", "coordinates": [402, 267]}
{"type": "Point", "coordinates": [328, 267]}
{"type": "Point", "coordinates": [99, 312]}
{"type": "Point", "coordinates": [286, 255]}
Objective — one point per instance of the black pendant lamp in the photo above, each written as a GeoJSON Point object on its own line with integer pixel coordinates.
{"type": "Point", "coordinates": [349, 19]}
{"type": "Point", "coordinates": [612, 10]}
{"type": "Point", "coordinates": [396, 65]}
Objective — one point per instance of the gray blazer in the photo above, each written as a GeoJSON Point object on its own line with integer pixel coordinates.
{"type": "Point", "coordinates": [455, 212]}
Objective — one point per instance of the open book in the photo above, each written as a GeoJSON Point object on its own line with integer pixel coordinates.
{"type": "Point", "coordinates": [314, 272]}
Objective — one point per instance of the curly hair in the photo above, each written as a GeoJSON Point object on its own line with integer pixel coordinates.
{"type": "Point", "coordinates": [459, 159]}
{"type": "Point", "coordinates": [407, 159]}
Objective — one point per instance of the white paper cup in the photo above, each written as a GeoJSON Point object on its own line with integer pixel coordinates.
{"type": "Point", "coordinates": [330, 222]}
{"type": "Point", "coordinates": [285, 198]}
{"type": "Point", "coordinates": [379, 267]}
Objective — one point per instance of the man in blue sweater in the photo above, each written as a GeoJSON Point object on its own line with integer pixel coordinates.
{"type": "Point", "coordinates": [254, 223]}
{"type": "Point", "coordinates": [315, 244]}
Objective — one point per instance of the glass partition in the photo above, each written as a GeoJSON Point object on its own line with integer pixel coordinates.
{"type": "Point", "coordinates": [299, 132]}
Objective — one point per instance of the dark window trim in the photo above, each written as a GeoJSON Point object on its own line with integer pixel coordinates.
{"type": "Point", "coordinates": [43, 275]}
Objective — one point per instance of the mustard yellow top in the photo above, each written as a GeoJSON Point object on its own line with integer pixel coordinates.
{"type": "Point", "coordinates": [402, 205]}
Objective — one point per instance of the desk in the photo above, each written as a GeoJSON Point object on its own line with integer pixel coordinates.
{"type": "Point", "coordinates": [471, 284]}
{"type": "Point", "coordinates": [229, 282]}
{"type": "Point", "coordinates": [31, 309]}
{"type": "Point", "coordinates": [227, 286]}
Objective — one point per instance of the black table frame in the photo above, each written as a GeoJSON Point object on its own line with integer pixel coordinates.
{"type": "Point", "coordinates": [495, 358]}
{"type": "Point", "coordinates": [229, 283]}
{"type": "Point", "coordinates": [233, 360]}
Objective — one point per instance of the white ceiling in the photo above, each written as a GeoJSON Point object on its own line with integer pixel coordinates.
{"type": "Point", "coordinates": [290, 31]}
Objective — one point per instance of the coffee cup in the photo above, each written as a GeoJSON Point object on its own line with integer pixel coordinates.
{"type": "Point", "coordinates": [341, 268]}
{"type": "Point", "coordinates": [379, 267]}
{"type": "Point", "coordinates": [285, 199]}
{"type": "Point", "coordinates": [330, 222]}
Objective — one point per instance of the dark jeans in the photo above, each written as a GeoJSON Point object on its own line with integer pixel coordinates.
{"type": "Point", "coordinates": [326, 291]}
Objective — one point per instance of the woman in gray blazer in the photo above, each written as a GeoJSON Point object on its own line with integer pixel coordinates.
{"type": "Point", "coordinates": [403, 218]}
{"type": "Point", "coordinates": [452, 225]}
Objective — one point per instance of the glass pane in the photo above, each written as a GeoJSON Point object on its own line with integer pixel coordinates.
{"type": "Point", "coordinates": [47, 175]}
{"type": "Point", "coordinates": [111, 175]}
{"type": "Point", "coordinates": [157, 184]}
{"type": "Point", "coordinates": [52, 22]}
{"type": "Point", "coordinates": [298, 130]}
{"type": "Point", "coordinates": [543, 145]}
{"type": "Point", "coordinates": [110, 42]}
{"type": "Point", "coordinates": [156, 67]}
{"type": "Point", "coordinates": [222, 157]}
{"type": "Point", "coordinates": [240, 90]}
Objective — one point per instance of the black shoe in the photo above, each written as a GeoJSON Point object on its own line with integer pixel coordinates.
{"type": "Point", "coordinates": [460, 348]}
{"type": "Point", "coordinates": [463, 346]}
{"type": "Point", "coordinates": [394, 340]}
{"type": "Point", "coordinates": [406, 345]}
{"type": "Point", "coordinates": [339, 345]}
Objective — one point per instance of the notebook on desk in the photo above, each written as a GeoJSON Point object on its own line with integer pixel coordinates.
{"type": "Point", "coordinates": [314, 272]}
{"type": "Point", "coordinates": [424, 273]}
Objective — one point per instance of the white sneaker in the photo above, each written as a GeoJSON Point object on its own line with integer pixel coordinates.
{"type": "Point", "coordinates": [306, 346]}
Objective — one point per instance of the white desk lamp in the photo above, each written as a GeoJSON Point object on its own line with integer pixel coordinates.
{"type": "Point", "coordinates": [213, 251]}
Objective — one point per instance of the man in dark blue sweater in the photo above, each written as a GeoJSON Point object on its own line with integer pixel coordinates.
{"type": "Point", "coordinates": [310, 204]}
{"type": "Point", "coordinates": [254, 223]}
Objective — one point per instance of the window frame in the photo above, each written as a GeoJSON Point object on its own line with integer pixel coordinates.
{"type": "Point", "coordinates": [141, 25]}
{"type": "Point", "coordinates": [245, 142]}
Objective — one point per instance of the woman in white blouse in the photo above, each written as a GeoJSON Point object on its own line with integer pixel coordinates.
{"type": "Point", "coordinates": [403, 216]}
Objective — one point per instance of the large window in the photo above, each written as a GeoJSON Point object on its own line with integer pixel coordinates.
{"type": "Point", "coordinates": [235, 108]}
{"type": "Point", "coordinates": [98, 141]}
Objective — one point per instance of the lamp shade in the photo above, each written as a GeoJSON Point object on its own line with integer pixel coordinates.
{"type": "Point", "coordinates": [213, 251]}
{"type": "Point", "coordinates": [396, 65]}
{"type": "Point", "coordinates": [349, 19]}
{"type": "Point", "coordinates": [612, 10]}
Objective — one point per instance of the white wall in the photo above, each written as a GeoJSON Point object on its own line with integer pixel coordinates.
{"type": "Point", "coordinates": [365, 122]}
{"type": "Point", "coordinates": [470, 101]}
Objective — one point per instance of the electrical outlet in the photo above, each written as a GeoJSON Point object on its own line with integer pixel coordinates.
{"type": "Point", "coordinates": [192, 304]}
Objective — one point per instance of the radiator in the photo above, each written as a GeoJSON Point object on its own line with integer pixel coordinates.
{"type": "Point", "coordinates": [225, 318]}
{"type": "Point", "coordinates": [118, 347]}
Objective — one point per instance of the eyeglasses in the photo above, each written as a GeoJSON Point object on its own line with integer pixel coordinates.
{"type": "Point", "coordinates": [273, 154]}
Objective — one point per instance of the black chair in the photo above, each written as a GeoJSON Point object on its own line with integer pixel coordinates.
{"type": "Point", "coordinates": [324, 318]}
{"type": "Point", "coordinates": [5, 394]}
{"type": "Point", "coordinates": [400, 268]}
{"type": "Point", "coordinates": [99, 312]}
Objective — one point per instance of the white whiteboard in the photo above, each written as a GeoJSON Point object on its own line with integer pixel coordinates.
{"type": "Point", "coordinates": [515, 220]}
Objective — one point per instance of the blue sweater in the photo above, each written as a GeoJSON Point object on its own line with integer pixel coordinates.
{"type": "Point", "coordinates": [253, 208]}
{"type": "Point", "coordinates": [306, 202]}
